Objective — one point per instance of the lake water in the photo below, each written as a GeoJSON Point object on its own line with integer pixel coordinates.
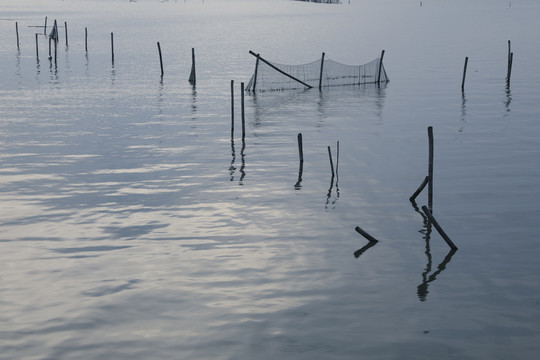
{"type": "Point", "coordinates": [133, 227]}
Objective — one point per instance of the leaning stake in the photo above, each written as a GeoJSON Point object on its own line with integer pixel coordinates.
{"type": "Point", "coordinates": [300, 147]}
{"type": "Point", "coordinates": [160, 58]}
{"type": "Point", "coordinates": [438, 227]}
{"type": "Point", "coordinates": [464, 73]}
{"type": "Point", "coordinates": [366, 235]}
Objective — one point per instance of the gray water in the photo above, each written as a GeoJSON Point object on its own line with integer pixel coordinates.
{"type": "Point", "coordinates": [133, 226]}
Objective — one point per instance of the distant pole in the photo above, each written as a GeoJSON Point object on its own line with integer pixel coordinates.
{"type": "Point", "coordinates": [45, 26]}
{"type": "Point", "coordinates": [321, 72]}
{"type": "Point", "coordinates": [232, 108]}
{"type": "Point", "coordinates": [192, 75]}
{"type": "Point", "coordinates": [160, 58]}
{"type": "Point", "coordinates": [464, 73]}
{"type": "Point", "coordinates": [17, 32]}
{"type": "Point", "coordinates": [86, 39]}
{"type": "Point", "coordinates": [300, 147]}
{"type": "Point", "coordinates": [50, 56]}
{"type": "Point", "coordinates": [37, 49]}
{"type": "Point", "coordinates": [112, 47]}
{"type": "Point", "coordinates": [55, 52]}
{"type": "Point", "coordinates": [380, 68]}
{"type": "Point", "coordinates": [430, 169]}
{"type": "Point", "coordinates": [242, 107]}
{"type": "Point", "coordinates": [65, 28]}
{"type": "Point", "coordinates": [256, 71]}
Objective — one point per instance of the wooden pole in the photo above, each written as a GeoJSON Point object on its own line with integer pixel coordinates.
{"type": "Point", "coordinates": [420, 188]}
{"type": "Point", "coordinates": [256, 72]}
{"type": "Point", "coordinates": [439, 228]}
{"type": "Point", "coordinates": [160, 58]}
{"type": "Point", "coordinates": [112, 48]}
{"type": "Point", "coordinates": [464, 73]}
{"type": "Point", "coordinates": [45, 26]}
{"type": "Point", "coordinates": [37, 48]}
{"type": "Point", "coordinates": [55, 52]}
{"type": "Point", "coordinates": [232, 108]}
{"type": "Point", "coordinates": [280, 71]}
{"type": "Point", "coordinates": [17, 32]}
{"type": "Point", "coordinates": [511, 60]}
{"type": "Point", "coordinates": [365, 234]}
{"type": "Point", "coordinates": [66, 31]}
{"type": "Point", "coordinates": [243, 114]}
{"type": "Point", "coordinates": [50, 56]}
{"type": "Point", "coordinates": [321, 72]}
{"type": "Point", "coordinates": [86, 39]}
{"type": "Point", "coordinates": [300, 147]}
{"type": "Point", "coordinates": [331, 161]}
{"type": "Point", "coordinates": [380, 68]}
{"type": "Point", "coordinates": [430, 168]}
{"type": "Point", "coordinates": [192, 76]}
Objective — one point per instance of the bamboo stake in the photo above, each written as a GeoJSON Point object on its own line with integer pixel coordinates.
{"type": "Point", "coordinates": [232, 109]}
{"type": "Point", "coordinates": [243, 113]}
{"type": "Point", "coordinates": [380, 68]}
{"type": "Point", "coordinates": [37, 48]}
{"type": "Point", "coordinates": [366, 235]}
{"type": "Point", "coordinates": [464, 73]}
{"type": "Point", "coordinates": [86, 39]}
{"type": "Point", "coordinates": [17, 32]}
{"type": "Point", "coordinates": [439, 228]}
{"type": "Point", "coordinates": [256, 72]}
{"type": "Point", "coordinates": [112, 48]}
{"type": "Point", "coordinates": [511, 60]}
{"type": "Point", "coordinates": [192, 76]}
{"type": "Point", "coordinates": [430, 169]}
{"type": "Point", "coordinates": [300, 147]}
{"type": "Point", "coordinates": [45, 26]}
{"type": "Point", "coordinates": [65, 28]}
{"type": "Point", "coordinates": [321, 73]}
{"type": "Point", "coordinates": [331, 161]}
{"type": "Point", "coordinates": [160, 58]}
{"type": "Point", "coordinates": [420, 188]}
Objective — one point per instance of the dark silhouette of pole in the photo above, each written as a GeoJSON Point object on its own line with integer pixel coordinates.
{"type": "Point", "coordinates": [464, 73]}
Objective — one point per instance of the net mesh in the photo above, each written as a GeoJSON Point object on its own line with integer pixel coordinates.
{"type": "Point", "coordinates": [271, 76]}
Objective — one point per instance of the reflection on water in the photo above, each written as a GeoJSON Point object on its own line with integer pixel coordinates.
{"type": "Point", "coordinates": [427, 275]}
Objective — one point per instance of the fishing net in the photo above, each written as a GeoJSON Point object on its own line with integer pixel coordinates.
{"type": "Point", "coordinates": [269, 76]}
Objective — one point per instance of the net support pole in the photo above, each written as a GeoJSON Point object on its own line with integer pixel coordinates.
{"type": "Point", "coordinates": [256, 71]}
{"type": "Point", "coordinates": [380, 68]}
{"type": "Point", "coordinates": [321, 73]}
{"type": "Point", "coordinates": [464, 73]}
{"type": "Point", "coordinates": [280, 71]}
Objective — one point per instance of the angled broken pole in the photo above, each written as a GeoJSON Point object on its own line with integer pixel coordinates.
{"type": "Point", "coordinates": [439, 228]}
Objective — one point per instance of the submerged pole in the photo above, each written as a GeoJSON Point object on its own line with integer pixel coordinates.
{"type": "Point", "coordinates": [430, 169]}
{"type": "Point", "coordinates": [321, 72]}
{"type": "Point", "coordinates": [160, 58]}
{"type": "Point", "coordinates": [192, 76]}
{"type": "Point", "coordinates": [380, 68]}
{"type": "Point", "coordinates": [365, 234]}
{"type": "Point", "coordinates": [17, 32]}
{"type": "Point", "coordinates": [243, 114]}
{"type": "Point", "coordinates": [464, 73]}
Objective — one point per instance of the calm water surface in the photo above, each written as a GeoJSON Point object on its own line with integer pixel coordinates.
{"type": "Point", "coordinates": [133, 226]}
